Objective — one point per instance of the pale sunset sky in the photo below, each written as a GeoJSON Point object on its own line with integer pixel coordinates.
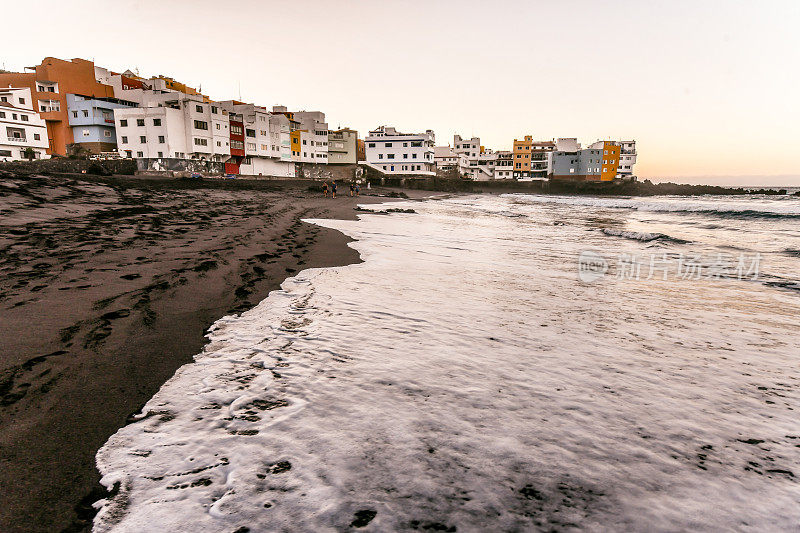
{"type": "Point", "coordinates": [710, 90]}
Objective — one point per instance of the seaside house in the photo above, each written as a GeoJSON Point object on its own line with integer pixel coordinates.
{"type": "Point", "coordinates": [342, 146]}
{"type": "Point", "coordinates": [448, 160]}
{"type": "Point", "coordinates": [530, 158]}
{"type": "Point", "coordinates": [174, 125]}
{"type": "Point", "coordinates": [49, 84]}
{"type": "Point", "coordinates": [259, 141]}
{"type": "Point", "coordinates": [392, 152]}
{"type": "Point", "coordinates": [24, 132]}
{"type": "Point", "coordinates": [92, 121]}
{"type": "Point", "coordinates": [598, 162]}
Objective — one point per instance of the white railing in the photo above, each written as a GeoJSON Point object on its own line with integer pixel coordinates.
{"type": "Point", "coordinates": [18, 139]}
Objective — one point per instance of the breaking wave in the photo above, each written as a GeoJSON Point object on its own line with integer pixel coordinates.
{"type": "Point", "coordinates": [642, 236]}
{"type": "Point", "coordinates": [745, 208]}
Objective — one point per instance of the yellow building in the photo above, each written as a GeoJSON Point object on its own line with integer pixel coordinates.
{"type": "Point", "coordinates": [294, 137]}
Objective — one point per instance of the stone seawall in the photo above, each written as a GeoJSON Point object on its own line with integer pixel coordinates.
{"type": "Point", "coordinates": [60, 165]}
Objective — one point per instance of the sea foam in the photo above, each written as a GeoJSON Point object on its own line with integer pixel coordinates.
{"type": "Point", "coordinates": [462, 378]}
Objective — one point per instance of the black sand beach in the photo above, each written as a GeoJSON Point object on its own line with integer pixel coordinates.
{"type": "Point", "coordinates": [107, 286]}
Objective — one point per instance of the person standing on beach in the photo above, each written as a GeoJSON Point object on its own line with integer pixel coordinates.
{"type": "Point", "coordinates": [333, 189]}
{"type": "Point", "coordinates": [325, 189]}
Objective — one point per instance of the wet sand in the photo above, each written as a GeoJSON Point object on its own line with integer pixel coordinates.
{"type": "Point", "coordinates": [107, 286]}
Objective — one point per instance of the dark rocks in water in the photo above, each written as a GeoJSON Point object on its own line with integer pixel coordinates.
{"type": "Point", "coordinates": [363, 517]}
{"type": "Point", "coordinates": [750, 441]}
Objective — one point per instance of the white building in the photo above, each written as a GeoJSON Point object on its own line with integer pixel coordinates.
{"type": "Point", "coordinates": [265, 141]}
{"type": "Point", "coordinates": [471, 149]}
{"type": "Point", "coordinates": [311, 130]}
{"type": "Point", "coordinates": [504, 165]}
{"type": "Point", "coordinates": [447, 160]}
{"type": "Point", "coordinates": [627, 159]}
{"type": "Point", "coordinates": [23, 129]}
{"type": "Point", "coordinates": [393, 152]}
{"type": "Point", "coordinates": [174, 125]}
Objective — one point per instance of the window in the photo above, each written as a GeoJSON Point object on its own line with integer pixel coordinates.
{"type": "Point", "coordinates": [200, 142]}
{"type": "Point", "coordinates": [200, 125]}
{"type": "Point", "coordinates": [413, 156]}
{"type": "Point", "coordinates": [198, 108]}
{"type": "Point", "coordinates": [21, 100]}
{"type": "Point", "coordinates": [405, 156]}
{"type": "Point", "coordinates": [217, 126]}
{"type": "Point", "coordinates": [156, 122]}
{"type": "Point", "coordinates": [219, 143]}
{"type": "Point", "coordinates": [392, 168]}
{"type": "Point", "coordinates": [106, 133]}
{"type": "Point", "coordinates": [124, 140]}
{"type": "Point", "coordinates": [74, 113]}
{"type": "Point", "coordinates": [405, 145]}
{"type": "Point", "coordinates": [122, 123]}
{"type": "Point", "coordinates": [140, 122]}
{"type": "Point", "coordinates": [390, 156]}
{"type": "Point", "coordinates": [388, 145]}
{"type": "Point", "coordinates": [380, 156]}
{"type": "Point", "coordinates": [37, 137]}
{"type": "Point", "coordinates": [3, 115]}
{"type": "Point", "coordinates": [160, 154]}
{"type": "Point", "coordinates": [128, 153]}
{"type": "Point", "coordinates": [304, 141]}
{"type": "Point", "coordinates": [40, 88]}
{"type": "Point", "coordinates": [250, 133]}
{"type": "Point", "coordinates": [143, 139]}
{"type": "Point", "coordinates": [85, 113]}
{"type": "Point", "coordinates": [214, 109]}
{"type": "Point", "coordinates": [416, 144]}
{"type": "Point", "coordinates": [372, 145]}
{"type": "Point", "coordinates": [161, 139]}
{"type": "Point", "coordinates": [24, 118]}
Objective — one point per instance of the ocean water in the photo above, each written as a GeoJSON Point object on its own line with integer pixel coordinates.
{"type": "Point", "coordinates": [477, 373]}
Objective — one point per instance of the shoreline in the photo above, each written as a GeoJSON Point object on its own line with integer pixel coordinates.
{"type": "Point", "coordinates": [108, 286]}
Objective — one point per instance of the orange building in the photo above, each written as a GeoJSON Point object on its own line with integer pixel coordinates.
{"type": "Point", "coordinates": [49, 83]}
{"type": "Point", "coordinates": [529, 158]}
{"type": "Point", "coordinates": [610, 161]}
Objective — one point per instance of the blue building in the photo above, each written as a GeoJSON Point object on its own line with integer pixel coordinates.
{"type": "Point", "coordinates": [92, 121]}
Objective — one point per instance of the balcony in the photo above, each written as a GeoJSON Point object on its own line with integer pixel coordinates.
{"type": "Point", "coordinates": [18, 139]}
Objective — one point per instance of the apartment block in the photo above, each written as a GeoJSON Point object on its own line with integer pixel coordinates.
{"type": "Point", "coordinates": [448, 160]}
{"type": "Point", "coordinates": [24, 131]}
{"type": "Point", "coordinates": [598, 162]}
{"type": "Point", "coordinates": [342, 146]}
{"type": "Point", "coordinates": [471, 149]}
{"type": "Point", "coordinates": [92, 121]}
{"type": "Point", "coordinates": [174, 125]}
{"type": "Point", "coordinates": [260, 141]}
{"type": "Point", "coordinates": [530, 158]}
{"type": "Point", "coordinates": [393, 152]}
{"type": "Point", "coordinates": [49, 83]}
{"type": "Point", "coordinates": [627, 159]}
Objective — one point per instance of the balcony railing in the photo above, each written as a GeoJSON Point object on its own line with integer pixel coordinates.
{"type": "Point", "coordinates": [17, 139]}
